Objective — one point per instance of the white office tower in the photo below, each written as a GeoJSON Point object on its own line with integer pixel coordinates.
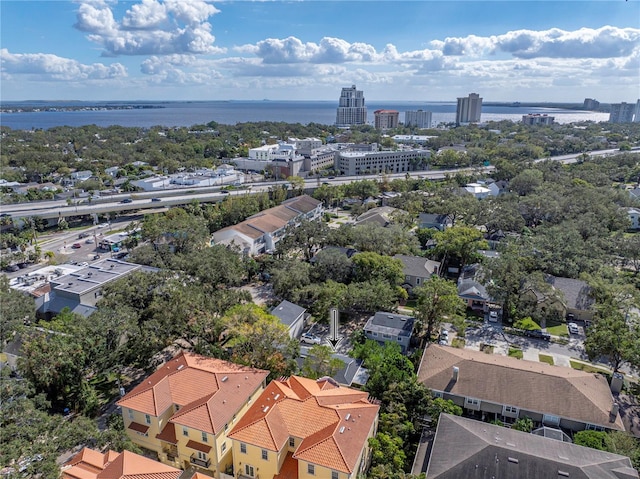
{"type": "Point", "coordinates": [419, 119]}
{"type": "Point", "coordinates": [636, 116]}
{"type": "Point", "coordinates": [469, 109]}
{"type": "Point", "coordinates": [351, 109]}
{"type": "Point", "coordinates": [622, 112]}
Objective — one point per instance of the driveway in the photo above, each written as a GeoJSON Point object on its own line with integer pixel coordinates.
{"type": "Point", "coordinates": [261, 293]}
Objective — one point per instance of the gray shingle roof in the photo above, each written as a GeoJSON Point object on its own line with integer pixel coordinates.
{"type": "Point", "coordinates": [577, 293]}
{"type": "Point", "coordinates": [390, 323]}
{"type": "Point", "coordinates": [465, 448]}
{"type": "Point", "coordinates": [418, 266]}
{"type": "Point", "coordinates": [288, 312]}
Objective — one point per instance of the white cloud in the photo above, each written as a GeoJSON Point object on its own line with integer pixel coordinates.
{"type": "Point", "coordinates": [45, 67]}
{"type": "Point", "coordinates": [604, 42]}
{"type": "Point", "coordinates": [151, 27]}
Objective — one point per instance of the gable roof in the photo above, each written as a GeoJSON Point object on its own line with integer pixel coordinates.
{"type": "Point", "coordinates": [577, 293]}
{"type": "Point", "coordinates": [287, 312]}
{"type": "Point", "coordinates": [91, 464]}
{"type": "Point", "coordinates": [476, 450]}
{"type": "Point", "coordinates": [418, 266]}
{"type": "Point", "coordinates": [390, 323]}
{"type": "Point", "coordinates": [528, 385]}
{"type": "Point", "coordinates": [200, 386]}
{"type": "Point", "coordinates": [332, 421]}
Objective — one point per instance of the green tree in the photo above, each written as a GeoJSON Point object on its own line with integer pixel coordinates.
{"type": "Point", "coordinates": [439, 406]}
{"type": "Point", "coordinates": [16, 308]}
{"type": "Point", "coordinates": [319, 362]}
{"type": "Point", "coordinates": [461, 243]}
{"type": "Point", "coordinates": [436, 300]}
{"type": "Point", "coordinates": [373, 266]}
{"type": "Point", "coordinates": [524, 424]}
{"type": "Point", "coordinates": [332, 264]}
{"type": "Point", "coordinates": [386, 450]}
{"type": "Point", "coordinates": [593, 439]}
{"type": "Point", "coordinates": [259, 339]}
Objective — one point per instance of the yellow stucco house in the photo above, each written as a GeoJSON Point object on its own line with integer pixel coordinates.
{"type": "Point", "coordinates": [305, 429]}
{"type": "Point", "coordinates": [184, 410]}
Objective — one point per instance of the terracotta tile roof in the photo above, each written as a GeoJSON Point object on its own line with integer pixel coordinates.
{"type": "Point", "coordinates": [332, 421]}
{"type": "Point", "coordinates": [137, 427]}
{"type": "Point", "coordinates": [168, 434]}
{"type": "Point", "coordinates": [529, 385]}
{"type": "Point", "coordinates": [208, 390]}
{"type": "Point", "coordinates": [289, 469]}
{"type": "Point", "coordinates": [90, 464]}
{"type": "Point", "coordinates": [199, 475]}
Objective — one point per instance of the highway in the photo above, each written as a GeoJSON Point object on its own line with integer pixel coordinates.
{"type": "Point", "coordinates": [165, 198]}
{"type": "Point", "coordinates": [157, 201]}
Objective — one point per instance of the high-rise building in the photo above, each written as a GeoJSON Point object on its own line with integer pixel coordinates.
{"type": "Point", "coordinates": [469, 109]}
{"type": "Point", "coordinates": [591, 104]}
{"type": "Point", "coordinates": [351, 109]}
{"type": "Point", "coordinates": [537, 119]}
{"type": "Point", "coordinates": [636, 116]}
{"type": "Point", "coordinates": [385, 119]}
{"type": "Point", "coordinates": [419, 119]}
{"type": "Point", "coordinates": [622, 112]}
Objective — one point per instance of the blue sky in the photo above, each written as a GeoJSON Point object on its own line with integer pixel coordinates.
{"type": "Point", "coordinates": [307, 50]}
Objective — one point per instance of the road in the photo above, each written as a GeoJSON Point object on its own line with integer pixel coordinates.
{"type": "Point", "coordinates": [173, 197]}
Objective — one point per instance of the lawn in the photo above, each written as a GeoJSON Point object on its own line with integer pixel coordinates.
{"type": "Point", "coordinates": [588, 368]}
{"type": "Point", "coordinates": [515, 353]}
{"type": "Point", "coordinates": [545, 358]}
{"type": "Point", "coordinates": [557, 329]}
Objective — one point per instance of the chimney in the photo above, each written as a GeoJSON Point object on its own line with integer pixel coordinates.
{"type": "Point", "coordinates": [616, 383]}
{"type": "Point", "coordinates": [456, 371]}
{"type": "Point", "coordinates": [614, 412]}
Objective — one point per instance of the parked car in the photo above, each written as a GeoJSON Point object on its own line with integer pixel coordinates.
{"type": "Point", "coordinates": [12, 268]}
{"type": "Point", "coordinates": [573, 328]}
{"type": "Point", "coordinates": [96, 256]}
{"type": "Point", "coordinates": [156, 199]}
{"type": "Point", "coordinates": [444, 334]}
{"type": "Point", "coordinates": [493, 316]}
{"type": "Point", "coordinates": [539, 334]}
{"type": "Point", "coordinates": [76, 246]}
{"type": "Point", "coordinates": [309, 338]}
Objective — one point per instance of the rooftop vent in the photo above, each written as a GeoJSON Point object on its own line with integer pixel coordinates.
{"type": "Point", "coordinates": [341, 429]}
{"type": "Point", "coordinates": [265, 409]}
{"type": "Point", "coordinates": [181, 366]}
{"type": "Point", "coordinates": [456, 373]}
{"type": "Point", "coordinates": [348, 417]}
{"type": "Point", "coordinates": [225, 378]}
{"type": "Point", "coordinates": [276, 397]}
{"type": "Point", "coordinates": [513, 459]}
{"type": "Point", "coordinates": [563, 473]}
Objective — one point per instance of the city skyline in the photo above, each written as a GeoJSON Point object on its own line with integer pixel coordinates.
{"type": "Point", "coordinates": [540, 51]}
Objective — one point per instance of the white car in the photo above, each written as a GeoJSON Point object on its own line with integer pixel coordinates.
{"type": "Point", "coordinates": [573, 328]}
{"type": "Point", "coordinates": [309, 338]}
{"type": "Point", "coordinates": [493, 316]}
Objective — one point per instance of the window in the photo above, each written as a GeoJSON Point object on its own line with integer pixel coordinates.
{"type": "Point", "coordinates": [292, 442]}
{"type": "Point", "coordinates": [243, 448]}
{"type": "Point", "coordinates": [549, 419]}
{"type": "Point", "coordinates": [226, 427]}
{"type": "Point", "coordinates": [224, 446]}
{"type": "Point", "coordinates": [234, 418]}
{"type": "Point", "coordinates": [265, 455]}
{"type": "Point", "coordinates": [593, 427]}
{"type": "Point", "coordinates": [311, 469]}
{"type": "Point", "coordinates": [509, 410]}
{"type": "Point", "coordinates": [417, 280]}
{"type": "Point", "coordinates": [335, 475]}
{"type": "Point", "coordinates": [386, 336]}
{"type": "Point", "coordinates": [185, 431]}
{"type": "Point", "coordinates": [202, 455]}
{"type": "Point", "coordinates": [248, 470]}
{"type": "Point", "coordinates": [399, 338]}
{"type": "Point", "coordinates": [147, 419]}
{"type": "Point", "coordinates": [131, 414]}
{"type": "Point", "coordinates": [204, 437]}
{"type": "Point", "coordinates": [438, 394]}
{"type": "Point", "coordinates": [375, 334]}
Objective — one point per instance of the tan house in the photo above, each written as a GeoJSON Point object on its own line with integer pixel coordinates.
{"type": "Point", "coordinates": [496, 387]}
{"type": "Point", "coordinates": [92, 464]}
{"type": "Point", "coordinates": [185, 409]}
{"type": "Point", "coordinates": [305, 429]}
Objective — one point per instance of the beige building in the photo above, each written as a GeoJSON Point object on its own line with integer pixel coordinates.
{"type": "Point", "coordinates": [305, 429]}
{"type": "Point", "coordinates": [385, 119]}
{"type": "Point", "coordinates": [92, 464]}
{"type": "Point", "coordinates": [185, 409]}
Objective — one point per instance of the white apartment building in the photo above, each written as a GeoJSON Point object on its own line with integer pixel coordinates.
{"type": "Point", "coordinates": [351, 107]}
{"type": "Point", "coordinates": [363, 162]}
{"type": "Point", "coordinates": [622, 112]}
{"type": "Point", "coordinates": [636, 116]}
{"type": "Point", "coordinates": [469, 109]}
{"type": "Point", "coordinates": [419, 119]}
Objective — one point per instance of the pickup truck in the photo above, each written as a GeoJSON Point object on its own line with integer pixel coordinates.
{"type": "Point", "coordinates": [538, 333]}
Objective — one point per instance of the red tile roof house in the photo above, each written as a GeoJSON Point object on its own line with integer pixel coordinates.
{"type": "Point", "coordinates": [301, 428]}
{"type": "Point", "coordinates": [184, 410]}
{"type": "Point", "coordinates": [492, 386]}
{"type": "Point", "coordinates": [91, 464]}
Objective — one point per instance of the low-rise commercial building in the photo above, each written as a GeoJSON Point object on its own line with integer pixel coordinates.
{"type": "Point", "coordinates": [362, 162]}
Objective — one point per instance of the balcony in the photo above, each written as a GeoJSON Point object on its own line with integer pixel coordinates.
{"type": "Point", "coordinates": [200, 462]}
